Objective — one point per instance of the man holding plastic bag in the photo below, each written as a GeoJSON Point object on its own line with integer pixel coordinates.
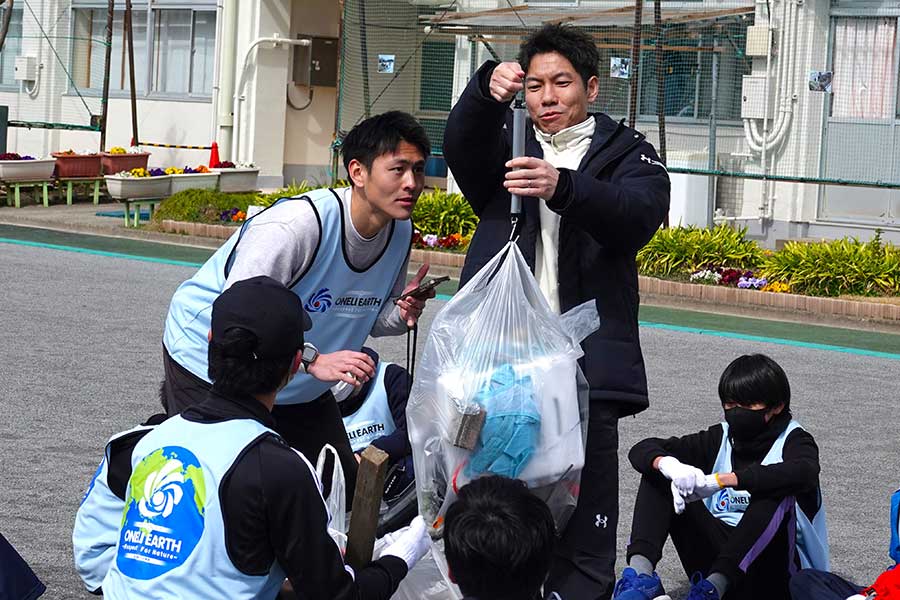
{"type": "Point", "coordinates": [594, 192]}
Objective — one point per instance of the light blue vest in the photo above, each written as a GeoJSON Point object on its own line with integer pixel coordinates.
{"type": "Point", "coordinates": [342, 302]}
{"type": "Point", "coordinates": [172, 540]}
{"type": "Point", "coordinates": [373, 419]}
{"type": "Point", "coordinates": [93, 539]}
{"type": "Point", "coordinates": [729, 505]}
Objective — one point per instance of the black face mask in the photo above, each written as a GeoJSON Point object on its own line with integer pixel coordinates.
{"type": "Point", "coordinates": [745, 424]}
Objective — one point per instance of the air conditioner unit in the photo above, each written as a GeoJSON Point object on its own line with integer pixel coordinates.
{"type": "Point", "coordinates": [26, 68]}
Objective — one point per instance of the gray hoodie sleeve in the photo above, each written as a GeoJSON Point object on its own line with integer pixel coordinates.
{"type": "Point", "coordinates": [280, 242]}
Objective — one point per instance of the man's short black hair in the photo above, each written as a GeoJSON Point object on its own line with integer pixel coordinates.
{"type": "Point", "coordinates": [574, 44]}
{"type": "Point", "coordinates": [498, 538]}
{"type": "Point", "coordinates": [382, 134]}
{"type": "Point", "coordinates": [753, 378]}
{"type": "Point", "coordinates": [233, 370]}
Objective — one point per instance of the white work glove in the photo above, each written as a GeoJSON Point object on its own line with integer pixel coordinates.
{"type": "Point", "coordinates": [704, 488]}
{"type": "Point", "coordinates": [857, 597]}
{"type": "Point", "coordinates": [410, 543]}
{"type": "Point", "coordinates": [683, 477]}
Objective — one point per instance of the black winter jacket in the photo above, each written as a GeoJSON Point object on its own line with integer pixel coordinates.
{"type": "Point", "coordinates": [610, 207]}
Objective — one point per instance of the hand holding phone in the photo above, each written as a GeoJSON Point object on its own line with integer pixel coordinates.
{"type": "Point", "coordinates": [422, 291]}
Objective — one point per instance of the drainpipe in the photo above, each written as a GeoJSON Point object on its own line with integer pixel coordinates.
{"type": "Point", "coordinates": [239, 90]}
{"type": "Point", "coordinates": [217, 69]}
{"type": "Point", "coordinates": [222, 126]}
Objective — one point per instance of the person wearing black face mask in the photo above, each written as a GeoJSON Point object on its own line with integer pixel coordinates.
{"type": "Point", "coordinates": [740, 500]}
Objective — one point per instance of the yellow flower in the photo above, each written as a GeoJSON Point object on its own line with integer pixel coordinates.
{"type": "Point", "coordinates": [117, 150]}
{"type": "Point", "coordinates": [174, 171]}
{"type": "Point", "coordinates": [778, 287]}
{"type": "Point", "coordinates": [139, 172]}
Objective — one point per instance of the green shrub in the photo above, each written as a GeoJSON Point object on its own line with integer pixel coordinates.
{"type": "Point", "coordinates": [201, 206]}
{"type": "Point", "coordinates": [440, 213]}
{"type": "Point", "coordinates": [832, 268]}
{"type": "Point", "coordinates": [684, 250]}
{"type": "Point", "coordinates": [296, 189]}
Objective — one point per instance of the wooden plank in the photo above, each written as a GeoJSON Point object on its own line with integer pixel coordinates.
{"type": "Point", "coordinates": [366, 505]}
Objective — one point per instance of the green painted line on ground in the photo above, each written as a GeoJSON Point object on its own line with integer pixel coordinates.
{"type": "Point", "coordinates": [115, 245]}
{"type": "Point", "coordinates": [838, 337]}
{"type": "Point", "coordinates": [852, 341]}
{"type": "Point", "coordinates": [165, 261]}
{"type": "Point", "coordinates": [781, 341]}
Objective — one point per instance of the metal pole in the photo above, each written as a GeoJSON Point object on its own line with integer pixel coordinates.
{"type": "Point", "coordinates": [364, 55]}
{"type": "Point", "coordinates": [712, 163]}
{"type": "Point", "coordinates": [136, 140]}
{"type": "Point", "coordinates": [660, 87]}
{"type": "Point", "coordinates": [635, 62]}
{"type": "Point", "coordinates": [104, 101]}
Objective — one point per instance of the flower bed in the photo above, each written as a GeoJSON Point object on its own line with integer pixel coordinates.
{"type": "Point", "coordinates": [236, 178]}
{"type": "Point", "coordinates": [70, 164]}
{"type": "Point", "coordinates": [14, 167]}
{"type": "Point", "coordinates": [199, 178]}
{"type": "Point", "coordinates": [138, 183]}
{"type": "Point", "coordinates": [118, 159]}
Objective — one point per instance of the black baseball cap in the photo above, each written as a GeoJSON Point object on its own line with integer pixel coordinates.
{"type": "Point", "coordinates": [266, 308]}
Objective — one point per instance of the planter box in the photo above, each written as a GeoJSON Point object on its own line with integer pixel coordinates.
{"type": "Point", "coordinates": [77, 165]}
{"type": "Point", "coordinates": [193, 181]}
{"type": "Point", "coordinates": [237, 180]}
{"type": "Point", "coordinates": [116, 163]}
{"type": "Point", "coordinates": [27, 170]}
{"type": "Point", "coordinates": [122, 188]}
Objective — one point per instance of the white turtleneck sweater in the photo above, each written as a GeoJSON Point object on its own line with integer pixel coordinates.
{"type": "Point", "coordinates": [563, 150]}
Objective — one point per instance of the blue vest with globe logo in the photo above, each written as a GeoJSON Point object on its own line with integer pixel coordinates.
{"type": "Point", "coordinates": [342, 301]}
{"type": "Point", "coordinates": [728, 505]}
{"type": "Point", "coordinates": [172, 540]}
{"type": "Point", "coordinates": [373, 419]}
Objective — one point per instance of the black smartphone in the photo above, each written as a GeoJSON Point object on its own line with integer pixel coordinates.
{"type": "Point", "coordinates": [422, 291]}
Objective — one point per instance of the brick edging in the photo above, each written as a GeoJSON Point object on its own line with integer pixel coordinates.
{"type": "Point", "coordinates": [728, 296]}
{"type": "Point", "coordinates": [221, 232]}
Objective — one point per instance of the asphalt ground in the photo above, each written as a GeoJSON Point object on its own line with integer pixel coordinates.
{"type": "Point", "coordinates": [81, 344]}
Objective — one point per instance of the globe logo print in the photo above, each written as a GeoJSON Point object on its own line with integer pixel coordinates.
{"type": "Point", "coordinates": [722, 501]}
{"type": "Point", "coordinates": [319, 302]}
{"type": "Point", "coordinates": [164, 515]}
{"type": "Point", "coordinates": [162, 490]}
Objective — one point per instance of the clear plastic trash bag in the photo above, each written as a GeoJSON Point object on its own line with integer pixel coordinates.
{"type": "Point", "coordinates": [498, 390]}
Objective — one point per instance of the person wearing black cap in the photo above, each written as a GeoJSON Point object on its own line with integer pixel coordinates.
{"type": "Point", "coordinates": [217, 504]}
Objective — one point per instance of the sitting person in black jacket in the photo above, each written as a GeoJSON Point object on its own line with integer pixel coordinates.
{"type": "Point", "coordinates": [374, 413]}
{"type": "Point", "coordinates": [498, 538]}
{"type": "Point", "coordinates": [745, 528]}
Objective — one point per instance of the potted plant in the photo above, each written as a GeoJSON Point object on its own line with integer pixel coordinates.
{"type": "Point", "coordinates": [236, 178]}
{"type": "Point", "coordinates": [14, 167]}
{"type": "Point", "coordinates": [198, 178]}
{"type": "Point", "coordinates": [72, 164]}
{"type": "Point", "coordinates": [118, 159]}
{"type": "Point", "coordinates": [138, 183]}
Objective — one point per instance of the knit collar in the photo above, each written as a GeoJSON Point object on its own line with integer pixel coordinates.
{"type": "Point", "coordinates": [568, 137]}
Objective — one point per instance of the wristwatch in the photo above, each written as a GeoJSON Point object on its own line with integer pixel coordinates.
{"type": "Point", "coordinates": [309, 356]}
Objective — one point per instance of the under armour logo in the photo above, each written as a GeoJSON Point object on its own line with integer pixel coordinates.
{"type": "Point", "coordinates": [650, 161]}
{"type": "Point", "coordinates": [601, 521]}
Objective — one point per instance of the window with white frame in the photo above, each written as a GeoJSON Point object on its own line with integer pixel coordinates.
{"type": "Point", "coordinates": [174, 49]}
{"type": "Point", "coordinates": [89, 49]}
{"type": "Point", "coordinates": [865, 67]}
{"type": "Point", "coordinates": [183, 51]}
{"type": "Point", "coordinates": [11, 48]}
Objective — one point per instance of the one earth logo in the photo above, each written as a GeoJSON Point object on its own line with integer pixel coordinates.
{"type": "Point", "coordinates": [320, 301]}
{"type": "Point", "coordinates": [164, 513]}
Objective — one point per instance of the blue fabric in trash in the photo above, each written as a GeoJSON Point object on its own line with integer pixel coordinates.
{"type": "Point", "coordinates": [511, 429]}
